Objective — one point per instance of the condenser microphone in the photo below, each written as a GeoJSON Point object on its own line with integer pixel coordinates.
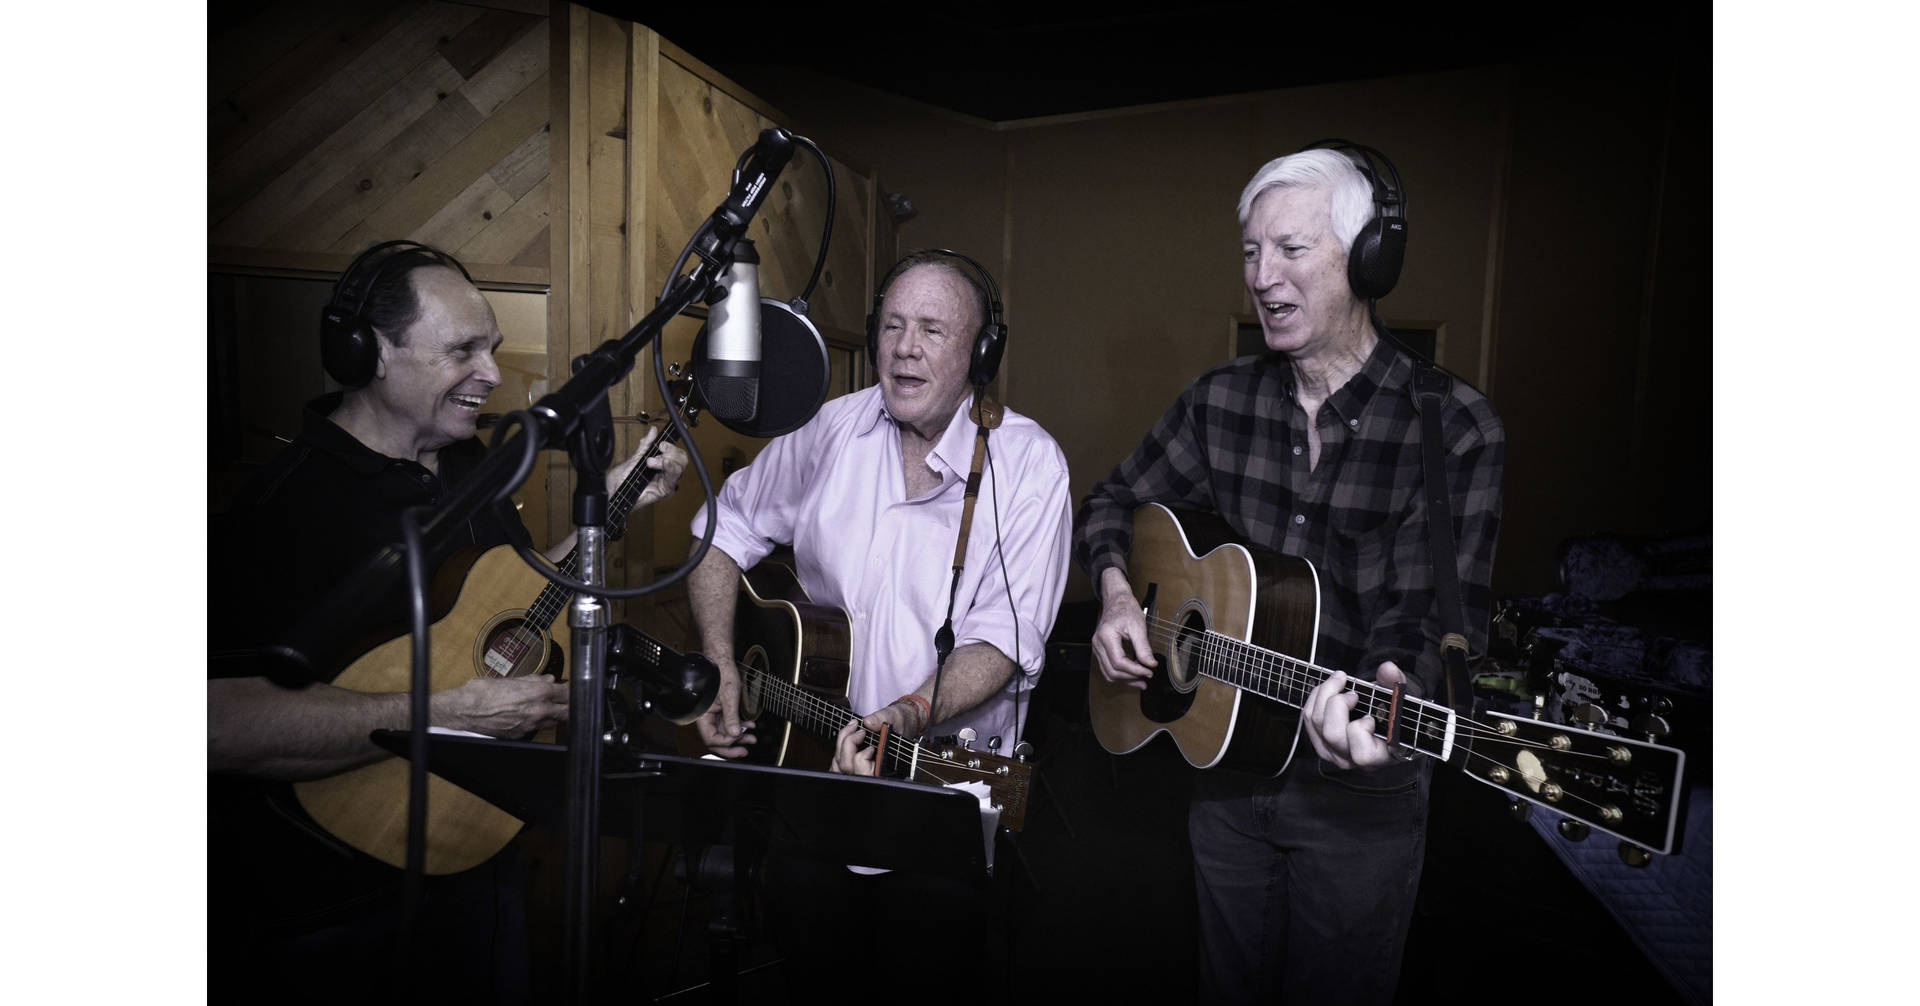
{"type": "Point", "coordinates": [731, 380]}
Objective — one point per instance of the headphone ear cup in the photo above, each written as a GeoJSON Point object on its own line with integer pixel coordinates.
{"type": "Point", "coordinates": [986, 355]}
{"type": "Point", "coordinates": [346, 347]}
{"type": "Point", "coordinates": [1373, 263]}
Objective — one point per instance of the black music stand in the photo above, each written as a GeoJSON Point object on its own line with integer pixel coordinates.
{"type": "Point", "coordinates": [699, 802]}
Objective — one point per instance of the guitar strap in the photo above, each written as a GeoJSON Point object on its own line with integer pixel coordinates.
{"type": "Point", "coordinates": [1431, 387]}
{"type": "Point", "coordinates": [987, 415]}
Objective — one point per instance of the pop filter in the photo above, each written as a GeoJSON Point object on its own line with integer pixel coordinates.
{"type": "Point", "coordinates": [795, 372]}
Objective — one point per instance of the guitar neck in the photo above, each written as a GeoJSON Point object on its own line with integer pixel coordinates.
{"type": "Point", "coordinates": [823, 717]}
{"type": "Point", "coordinates": [554, 597]}
{"type": "Point", "coordinates": [1426, 727]}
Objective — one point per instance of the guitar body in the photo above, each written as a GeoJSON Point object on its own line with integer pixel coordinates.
{"type": "Point", "coordinates": [1196, 578]}
{"type": "Point", "coordinates": [483, 634]}
{"type": "Point", "coordinates": [781, 634]}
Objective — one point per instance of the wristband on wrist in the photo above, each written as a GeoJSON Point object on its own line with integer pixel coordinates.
{"type": "Point", "coordinates": [926, 708]}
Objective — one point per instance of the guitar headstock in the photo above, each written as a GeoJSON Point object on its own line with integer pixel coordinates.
{"type": "Point", "coordinates": [1625, 787]}
{"type": "Point", "coordinates": [1006, 779]}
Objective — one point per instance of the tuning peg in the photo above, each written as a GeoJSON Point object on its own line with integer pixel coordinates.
{"type": "Point", "coordinates": [1652, 726]}
{"type": "Point", "coordinates": [993, 743]}
{"type": "Point", "coordinates": [1634, 855]}
{"type": "Point", "coordinates": [967, 734]}
{"type": "Point", "coordinates": [1022, 751]}
{"type": "Point", "coordinates": [1572, 830]}
{"type": "Point", "coordinates": [1520, 810]}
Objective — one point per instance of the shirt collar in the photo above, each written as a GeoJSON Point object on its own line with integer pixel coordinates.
{"type": "Point", "coordinates": [951, 451]}
{"type": "Point", "coordinates": [317, 429]}
{"type": "Point", "coordinates": [1352, 397]}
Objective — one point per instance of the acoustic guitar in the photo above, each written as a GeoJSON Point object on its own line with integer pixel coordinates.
{"type": "Point", "coordinates": [499, 625]}
{"type": "Point", "coordinates": [794, 656]}
{"type": "Point", "coordinates": [1225, 620]}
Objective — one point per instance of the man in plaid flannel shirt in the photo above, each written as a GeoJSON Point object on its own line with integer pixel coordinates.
{"type": "Point", "coordinates": [1306, 881]}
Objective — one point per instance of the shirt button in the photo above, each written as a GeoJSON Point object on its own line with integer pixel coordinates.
{"type": "Point", "coordinates": [1299, 518]}
{"type": "Point", "coordinates": [1296, 450]}
{"type": "Point", "coordinates": [1353, 423]}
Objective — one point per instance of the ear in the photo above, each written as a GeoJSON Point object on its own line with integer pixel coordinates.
{"type": "Point", "coordinates": [380, 348]}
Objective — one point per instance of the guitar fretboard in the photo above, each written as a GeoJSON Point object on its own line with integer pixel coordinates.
{"type": "Point", "coordinates": [823, 717]}
{"type": "Point", "coordinates": [1423, 726]}
{"type": "Point", "coordinates": [553, 597]}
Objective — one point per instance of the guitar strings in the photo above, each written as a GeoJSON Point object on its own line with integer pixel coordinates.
{"type": "Point", "coordinates": [1216, 655]}
{"type": "Point", "coordinates": [795, 703]}
{"type": "Point", "coordinates": [1216, 651]}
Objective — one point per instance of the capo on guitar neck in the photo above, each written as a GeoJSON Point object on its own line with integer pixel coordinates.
{"type": "Point", "coordinates": [1393, 727]}
{"type": "Point", "coordinates": [880, 747]}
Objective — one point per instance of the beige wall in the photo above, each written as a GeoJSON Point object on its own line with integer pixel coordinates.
{"type": "Point", "coordinates": [1536, 246]}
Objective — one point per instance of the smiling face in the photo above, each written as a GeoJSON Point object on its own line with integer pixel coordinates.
{"type": "Point", "coordinates": [927, 322]}
{"type": "Point", "coordinates": [430, 387]}
{"type": "Point", "coordinates": [1296, 271]}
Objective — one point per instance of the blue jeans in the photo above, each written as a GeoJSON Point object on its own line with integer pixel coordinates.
{"type": "Point", "coordinates": [1306, 883]}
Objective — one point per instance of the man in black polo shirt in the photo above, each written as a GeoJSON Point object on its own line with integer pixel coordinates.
{"type": "Point", "coordinates": [282, 893]}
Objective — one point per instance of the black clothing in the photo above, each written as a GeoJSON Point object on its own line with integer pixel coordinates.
{"type": "Point", "coordinates": [279, 888]}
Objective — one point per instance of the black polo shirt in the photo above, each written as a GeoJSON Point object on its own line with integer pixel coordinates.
{"type": "Point", "coordinates": [311, 518]}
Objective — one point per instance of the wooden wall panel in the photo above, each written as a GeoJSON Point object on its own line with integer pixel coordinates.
{"type": "Point", "coordinates": [576, 152]}
{"type": "Point", "coordinates": [377, 121]}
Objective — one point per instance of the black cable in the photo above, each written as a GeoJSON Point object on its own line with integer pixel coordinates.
{"type": "Point", "coordinates": [535, 560]}
{"type": "Point", "coordinates": [1006, 582]}
{"type": "Point", "coordinates": [414, 886]}
{"type": "Point", "coordinates": [522, 418]}
{"type": "Point", "coordinates": [826, 232]}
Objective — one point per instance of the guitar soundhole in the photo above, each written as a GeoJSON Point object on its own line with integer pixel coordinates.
{"type": "Point", "coordinates": [508, 649]}
{"type": "Point", "coordinates": [1170, 694]}
{"type": "Point", "coordinates": [1183, 667]}
{"type": "Point", "coordinates": [750, 688]}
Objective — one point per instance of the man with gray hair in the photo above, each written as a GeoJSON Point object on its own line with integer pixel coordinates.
{"type": "Point", "coordinates": [1306, 880]}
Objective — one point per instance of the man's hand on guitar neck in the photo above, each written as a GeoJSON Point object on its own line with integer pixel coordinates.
{"type": "Point", "coordinates": [1337, 736]}
{"type": "Point", "coordinates": [851, 753]}
{"type": "Point", "coordinates": [1122, 624]}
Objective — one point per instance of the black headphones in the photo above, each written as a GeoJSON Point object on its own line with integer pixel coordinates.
{"type": "Point", "coordinates": [984, 362]}
{"type": "Point", "coordinates": [347, 347]}
{"type": "Point", "coordinates": [1373, 262]}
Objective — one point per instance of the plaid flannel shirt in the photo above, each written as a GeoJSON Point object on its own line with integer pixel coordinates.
{"type": "Point", "coordinates": [1235, 443]}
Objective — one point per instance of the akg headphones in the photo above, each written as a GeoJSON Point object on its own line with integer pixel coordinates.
{"type": "Point", "coordinates": [987, 346]}
{"type": "Point", "coordinates": [347, 347]}
{"type": "Point", "coordinates": [1373, 262]}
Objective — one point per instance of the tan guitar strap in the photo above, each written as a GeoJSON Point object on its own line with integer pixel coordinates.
{"type": "Point", "coordinates": [987, 415]}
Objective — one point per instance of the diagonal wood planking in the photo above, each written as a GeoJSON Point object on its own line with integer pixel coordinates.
{"type": "Point", "coordinates": [444, 150]}
{"type": "Point", "coordinates": [343, 95]}
{"type": "Point", "coordinates": [451, 174]}
{"type": "Point", "coordinates": [504, 38]}
{"type": "Point", "coordinates": [257, 70]}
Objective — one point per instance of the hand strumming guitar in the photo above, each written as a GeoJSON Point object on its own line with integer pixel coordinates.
{"type": "Point", "coordinates": [1122, 624]}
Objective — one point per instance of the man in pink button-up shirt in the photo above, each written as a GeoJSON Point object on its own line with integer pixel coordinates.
{"type": "Point", "coordinates": [869, 494]}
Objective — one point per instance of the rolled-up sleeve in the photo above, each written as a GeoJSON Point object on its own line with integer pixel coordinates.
{"type": "Point", "coordinates": [1023, 572]}
{"type": "Point", "coordinates": [759, 504]}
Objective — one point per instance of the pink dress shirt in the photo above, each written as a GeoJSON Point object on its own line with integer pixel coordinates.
{"type": "Point", "coordinates": [835, 490]}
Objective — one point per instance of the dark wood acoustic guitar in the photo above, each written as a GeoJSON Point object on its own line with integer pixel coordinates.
{"type": "Point", "coordinates": [793, 657]}
{"type": "Point", "coordinates": [1233, 628]}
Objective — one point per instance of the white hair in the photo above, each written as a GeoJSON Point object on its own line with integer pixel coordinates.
{"type": "Point", "coordinates": [1352, 204]}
